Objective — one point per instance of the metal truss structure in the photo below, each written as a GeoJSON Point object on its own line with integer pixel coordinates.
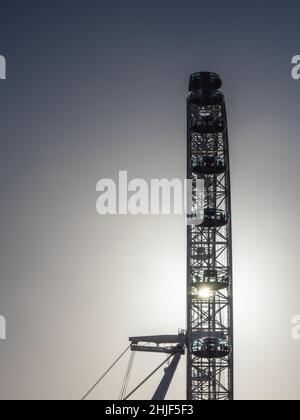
{"type": "Point", "coordinates": [209, 246]}
{"type": "Point", "coordinates": [208, 340]}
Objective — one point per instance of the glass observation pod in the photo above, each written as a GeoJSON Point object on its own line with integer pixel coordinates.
{"type": "Point", "coordinates": [206, 101]}
{"type": "Point", "coordinates": [205, 81]}
{"type": "Point", "coordinates": [211, 348]}
{"type": "Point", "coordinates": [204, 88]}
{"type": "Point", "coordinates": [209, 165]}
{"type": "Point", "coordinates": [211, 218]}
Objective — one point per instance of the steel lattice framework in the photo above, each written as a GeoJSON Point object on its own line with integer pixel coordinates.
{"type": "Point", "coordinates": [209, 246]}
{"type": "Point", "coordinates": [209, 336]}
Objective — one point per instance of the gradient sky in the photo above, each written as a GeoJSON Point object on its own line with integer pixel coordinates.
{"type": "Point", "coordinates": [95, 87]}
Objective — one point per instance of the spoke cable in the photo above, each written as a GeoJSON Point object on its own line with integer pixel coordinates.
{"type": "Point", "coordinates": [127, 377]}
{"type": "Point", "coordinates": [148, 377]}
{"type": "Point", "coordinates": [104, 375]}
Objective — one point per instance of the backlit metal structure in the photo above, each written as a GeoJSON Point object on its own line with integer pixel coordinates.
{"type": "Point", "coordinates": [209, 246]}
{"type": "Point", "coordinates": [208, 340]}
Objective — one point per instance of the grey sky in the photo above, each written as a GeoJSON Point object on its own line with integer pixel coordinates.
{"type": "Point", "coordinates": [95, 87]}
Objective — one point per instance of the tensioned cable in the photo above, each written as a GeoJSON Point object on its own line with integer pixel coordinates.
{"type": "Point", "coordinates": [127, 377]}
{"type": "Point", "coordinates": [148, 377]}
{"type": "Point", "coordinates": [103, 376]}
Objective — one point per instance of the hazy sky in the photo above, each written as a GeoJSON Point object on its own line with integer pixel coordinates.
{"type": "Point", "coordinates": [95, 87]}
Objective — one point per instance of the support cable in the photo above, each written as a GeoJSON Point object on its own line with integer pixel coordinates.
{"type": "Point", "coordinates": [127, 377]}
{"type": "Point", "coordinates": [148, 377]}
{"type": "Point", "coordinates": [103, 376]}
